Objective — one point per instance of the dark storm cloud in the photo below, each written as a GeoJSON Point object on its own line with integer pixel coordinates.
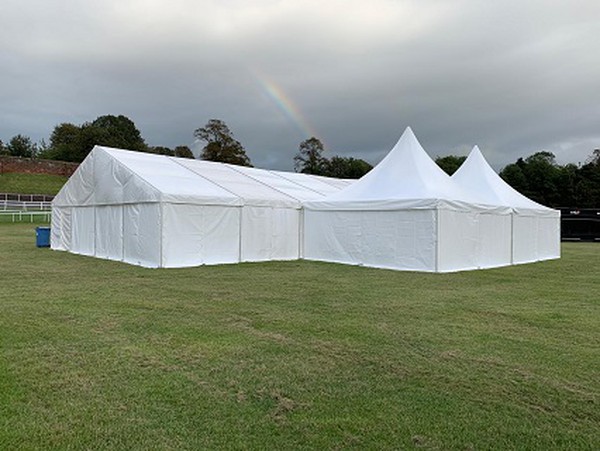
{"type": "Point", "coordinates": [513, 77]}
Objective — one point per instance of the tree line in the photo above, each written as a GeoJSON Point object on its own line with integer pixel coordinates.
{"type": "Point", "coordinates": [543, 180]}
{"type": "Point", "coordinates": [538, 176]}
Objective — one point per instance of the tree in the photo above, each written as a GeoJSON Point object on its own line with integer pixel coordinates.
{"type": "Point", "coordinates": [346, 167]}
{"type": "Point", "coordinates": [21, 146]}
{"type": "Point", "coordinates": [183, 152]}
{"type": "Point", "coordinates": [70, 142]}
{"type": "Point", "coordinates": [220, 144]}
{"type": "Point", "coordinates": [309, 159]}
{"type": "Point", "coordinates": [450, 163]}
{"type": "Point", "coordinates": [119, 131]}
{"type": "Point", "coordinates": [63, 143]}
{"type": "Point", "coordinates": [513, 175]}
{"type": "Point", "coordinates": [3, 149]}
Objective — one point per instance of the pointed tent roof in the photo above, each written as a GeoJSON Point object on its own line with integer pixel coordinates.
{"type": "Point", "coordinates": [477, 176]}
{"type": "Point", "coordinates": [406, 178]}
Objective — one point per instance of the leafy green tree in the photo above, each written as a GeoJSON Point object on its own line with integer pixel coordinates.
{"type": "Point", "coordinates": [70, 142]}
{"type": "Point", "coordinates": [183, 152]}
{"type": "Point", "coordinates": [346, 167]}
{"type": "Point", "coordinates": [514, 176]}
{"type": "Point", "coordinates": [119, 131]}
{"type": "Point", "coordinates": [63, 143]}
{"type": "Point", "coordinates": [220, 144]}
{"type": "Point", "coordinates": [450, 163]}
{"type": "Point", "coordinates": [587, 192]}
{"type": "Point", "coordinates": [22, 146]}
{"type": "Point", "coordinates": [310, 159]}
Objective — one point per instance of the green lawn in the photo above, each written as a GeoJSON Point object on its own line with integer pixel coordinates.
{"type": "Point", "coordinates": [31, 183]}
{"type": "Point", "coordinates": [296, 355]}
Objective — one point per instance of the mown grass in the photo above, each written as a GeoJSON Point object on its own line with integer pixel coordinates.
{"type": "Point", "coordinates": [295, 355]}
{"type": "Point", "coordinates": [31, 183]}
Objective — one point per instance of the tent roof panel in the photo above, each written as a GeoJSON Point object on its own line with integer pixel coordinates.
{"type": "Point", "coordinates": [251, 190]}
{"type": "Point", "coordinates": [477, 176]}
{"type": "Point", "coordinates": [405, 174]}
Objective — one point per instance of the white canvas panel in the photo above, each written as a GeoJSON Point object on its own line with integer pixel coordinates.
{"type": "Point", "coordinates": [200, 235]}
{"type": "Point", "coordinates": [459, 244]}
{"type": "Point", "coordinates": [109, 232]}
{"type": "Point", "coordinates": [525, 239]}
{"type": "Point", "coordinates": [270, 233]}
{"type": "Point", "coordinates": [170, 179]}
{"type": "Point", "coordinates": [548, 238]}
{"type": "Point", "coordinates": [141, 234]}
{"type": "Point", "coordinates": [251, 190]}
{"type": "Point", "coordinates": [283, 185]}
{"type": "Point", "coordinates": [495, 240]}
{"type": "Point", "coordinates": [82, 230]}
{"type": "Point", "coordinates": [337, 183]}
{"type": "Point", "coordinates": [79, 189]}
{"type": "Point", "coordinates": [60, 230]}
{"type": "Point", "coordinates": [384, 239]}
{"type": "Point", "coordinates": [109, 179]}
{"type": "Point", "coordinates": [309, 182]}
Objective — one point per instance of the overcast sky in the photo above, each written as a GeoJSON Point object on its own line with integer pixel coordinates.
{"type": "Point", "coordinates": [513, 76]}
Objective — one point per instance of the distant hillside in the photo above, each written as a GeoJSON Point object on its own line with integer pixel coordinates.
{"type": "Point", "coordinates": [31, 183]}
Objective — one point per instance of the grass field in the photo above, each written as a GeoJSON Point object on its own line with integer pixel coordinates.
{"type": "Point", "coordinates": [296, 355]}
{"type": "Point", "coordinates": [31, 183]}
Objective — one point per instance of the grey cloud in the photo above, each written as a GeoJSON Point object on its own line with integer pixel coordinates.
{"type": "Point", "coordinates": [512, 77]}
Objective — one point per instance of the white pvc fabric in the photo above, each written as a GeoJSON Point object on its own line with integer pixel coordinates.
{"type": "Point", "coordinates": [158, 211]}
{"type": "Point", "coordinates": [407, 214]}
{"type": "Point", "coordinates": [535, 229]}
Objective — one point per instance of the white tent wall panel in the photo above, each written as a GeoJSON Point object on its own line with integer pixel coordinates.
{"type": "Point", "coordinates": [473, 240]}
{"type": "Point", "coordinates": [495, 236]}
{"type": "Point", "coordinates": [535, 238]}
{"type": "Point", "coordinates": [402, 239]}
{"type": "Point", "coordinates": [458, 246]}
{"type": "Point", "coordinates": [323, 240]}
{"type": "Point", "coordinates": [548, 238]}
{"type": "Point", "coordinates": [109, 232]}
{"type": "Point", "coordinates": [525, 242]}
{"type": "Point", "coordinates": [82, 230]}
{"type": "Point", "coordinates": [270, 234]}
{"type": "Point", "coordinates": [60, 232]}
{"type": "Point", "coordinates": [195, 235]}
{"type": "Point", "coordinates": [142, 235]}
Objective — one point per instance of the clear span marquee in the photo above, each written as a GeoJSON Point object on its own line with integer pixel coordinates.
{"type": "Point", "coordinates": [405, 214]}
{"type": "Point", "coordinates": [159, 211]}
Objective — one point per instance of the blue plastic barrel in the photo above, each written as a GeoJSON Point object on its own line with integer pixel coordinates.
{"type": "Point", "coordinates": [42, 236]}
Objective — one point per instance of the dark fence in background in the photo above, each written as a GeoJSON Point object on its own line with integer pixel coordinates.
{"type": "Point", "coordinates": [580, 224]}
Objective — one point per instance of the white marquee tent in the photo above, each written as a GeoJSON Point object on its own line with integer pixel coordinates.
{"type": "Point", "coordinates": [407, 214]}
{"type": "Point", "coordinates": [535, 229]}
{"type": "Point", "coordinates": [159, 211]}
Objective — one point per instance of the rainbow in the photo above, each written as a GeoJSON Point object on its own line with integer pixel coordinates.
{"type": "Point", "coordinates": [284, 104]}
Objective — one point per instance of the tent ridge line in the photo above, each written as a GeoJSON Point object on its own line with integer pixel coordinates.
{"type": "Point", "coordinates": [135, 174]}
{"type": "Point", "coordinates": [232, 167]}
{"type": "Point", "coordinates": [174, 159]}
{"type": "Point", "coordinates": [296, 183]}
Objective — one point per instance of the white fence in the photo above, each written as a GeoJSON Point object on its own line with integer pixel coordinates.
{"type": "Point", "coordinates": [24, 205]}
{"type": "Point", "coordinates": [25, 216]}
